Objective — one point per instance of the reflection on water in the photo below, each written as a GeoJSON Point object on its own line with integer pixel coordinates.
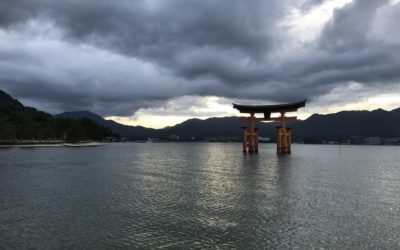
{"type": "Point", "coordinates": [199, 195]}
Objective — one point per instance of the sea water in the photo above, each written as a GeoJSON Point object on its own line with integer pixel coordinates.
{"type": "Point", "coordinates": [199, 195]}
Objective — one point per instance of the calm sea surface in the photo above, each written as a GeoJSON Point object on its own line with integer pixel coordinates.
{"type": "Point", "coordinates": [199, 195]}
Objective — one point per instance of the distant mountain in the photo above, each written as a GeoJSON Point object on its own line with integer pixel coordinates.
{"type": "Point", "coordinates": [137, 132]}
{"type": "Point", "coordinates": [18, 122]}
{"type": "Point", "coordinates": [83, 114]}
{"type": "Point", "coordinates": [378, 122]}
{"type": "Point", "coordinates": [344, 124]}
{"type": "Point", "coordinates": [7, 101]}
{"type": "Point", "coordinates": [224, 127]}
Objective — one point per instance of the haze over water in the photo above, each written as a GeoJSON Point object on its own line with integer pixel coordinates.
{"type": "Point", "coordinates": [199, 195]}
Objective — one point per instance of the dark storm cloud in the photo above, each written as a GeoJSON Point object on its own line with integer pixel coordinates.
{"type": "Point", "coordinates": [350, 26]}
{"type": "Point", "coordinates": [160, 31]}
{"type": "Point", "coordinates": [116, 57]}
{"type": "Point", "coordinates": [349, 51]}
{"type": "Point", "coordinates": [193, 38]}
{"type": "Point", "coordinates": [15, 11]}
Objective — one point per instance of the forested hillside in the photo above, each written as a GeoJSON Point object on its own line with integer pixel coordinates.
{"type": "Point", "coordinates": [18, 122]}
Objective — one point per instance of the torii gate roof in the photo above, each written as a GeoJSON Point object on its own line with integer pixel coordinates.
{"type": "Point", "coordinates": [287, 107]}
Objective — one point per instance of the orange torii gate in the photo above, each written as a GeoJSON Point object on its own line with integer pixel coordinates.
{"type": "Point", "coordinates": [283, 134]}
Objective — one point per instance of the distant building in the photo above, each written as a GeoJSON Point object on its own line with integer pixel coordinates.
{"type": "Point", "coordinates": [150, 140]}
{"type": "Point", "coordinates": [174, 137]}
{"type": "Point", "coordinates": [358, 140]}
{"type": "Point", "coordinates": [373, 141]}
{"type": "Point", "coordinates": [391, 141]}
{"type": "Point", "coordinates": [263, 139]}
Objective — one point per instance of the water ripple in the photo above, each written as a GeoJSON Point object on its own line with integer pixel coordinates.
{"type": "Point", "coordinates": [199, 196]}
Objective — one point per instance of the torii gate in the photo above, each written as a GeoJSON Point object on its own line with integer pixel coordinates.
{"type": "Point", "coordinates": [283, 134]}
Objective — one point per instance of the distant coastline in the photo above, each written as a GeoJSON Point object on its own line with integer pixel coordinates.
{"type": "Point", "coordinates": [20, 125]}
{"type": "Point", "coordinates": [41, 144]}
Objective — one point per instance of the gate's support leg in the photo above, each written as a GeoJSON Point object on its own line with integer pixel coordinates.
{"type": "Point", "coordinates": [256, 139]}
{"type": "Point", "coordinates": [289, 140]}
{"type": "Point", "coordinates": [251, 134]}
{"type": "Point", "coordinates": [244, 139]}
{"type": "Point", "coordinates": [278, 140]}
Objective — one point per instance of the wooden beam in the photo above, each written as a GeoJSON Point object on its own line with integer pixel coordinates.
{"type": "Point", "coordinates": [286, 118]}
{"type": "Point", "coordinates": [273, 111]}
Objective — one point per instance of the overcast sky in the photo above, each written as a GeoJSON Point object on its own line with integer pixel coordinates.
{"type": "Point", "coordinates": [158, 62]}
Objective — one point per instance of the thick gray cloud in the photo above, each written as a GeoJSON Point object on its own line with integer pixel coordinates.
{"type": "Point", "coordinates": [116, 57]}
{"type": "Point", "coordinates": [349, 28]}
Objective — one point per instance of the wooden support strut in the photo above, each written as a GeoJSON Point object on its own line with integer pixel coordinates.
{"type": "Point", "coordinates": [289, 140]}
{"type": "Point", "coordinates": [278, 140]}
{"type": "Point", "coordinates": [244, 139]}
{"type": "Point", "coordinates": [284, 142]}
{"type": "Point", "coordinates": [251, 133]}
{"type": "Point", "coordinates": [256, 135]}
{"type": "Point", "coordinates": [283, 134]}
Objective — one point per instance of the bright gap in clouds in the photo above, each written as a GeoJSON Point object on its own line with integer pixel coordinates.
{"type": "Point", "coordinates": [175, 112]}
{"type": "Point", "coordinates": [305, 26]}
{"type": "Point", "coordinates": [178, 110]}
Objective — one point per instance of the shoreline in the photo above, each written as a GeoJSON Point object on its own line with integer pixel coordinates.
{"type": "Point", "coordinates": [49, 144]}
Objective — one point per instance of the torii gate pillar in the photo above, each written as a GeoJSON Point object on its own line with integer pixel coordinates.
{"type": "Point", "coordinates": [283, 137]}
{"type": "Point", "coordinates": [283, 134]}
